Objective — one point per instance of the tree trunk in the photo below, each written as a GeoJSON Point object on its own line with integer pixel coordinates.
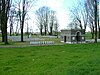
{"type": "Point", "coordinates": [45, 31]}
{"type": "Point", "coordinates": [99, 33]}
{"type": "Point", "coordinates": [22, 22]}
{"type": "Point", "coordinates": [17, 29]}
{"type": "Point", "coordinates": [41, 28]}
{"type": "Point", "coordinates": [22, 26]}
{"type": "Point", "coordinates": [92, 35]}
{"type": "Point", "coordinates": [21, 34]}
{"type": "Point", "coordinates": [98, 26]}
{"type": "Point", "coordinates": [2, 27]}
{"type": "Point", "coordinates": [95, 12]}
{"type": "Point", "coordinates": [5, 34]}
{"type": "Point", "coordinates": [41, 31]}
{"type": "Point", "coordinates": [98, 21]}
{"type": "Point", "coordinates": [11, 29]}
{"type": "Point", "coordinates": [51, 30]}
{"type": "Point", "coordinates": [5, 30]}
{"type": "Point", "coordinates": [4, 21]}
{"type": "Point", "coordinates": [57, 34]}
{"type": "Point", "coordinates": [2, 31]}
{"type": "Point", "coordinates": [92, 32]}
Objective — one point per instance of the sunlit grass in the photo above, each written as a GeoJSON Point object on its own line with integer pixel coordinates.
{"type": "Point", "coordinates": [74, 59]}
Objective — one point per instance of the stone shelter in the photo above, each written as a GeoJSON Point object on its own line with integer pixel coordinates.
{"type": "Point", "coordinates": [73, 35]}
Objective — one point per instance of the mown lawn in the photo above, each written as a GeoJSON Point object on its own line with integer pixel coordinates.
{"type": "Point", "coordinates": [72, 59]}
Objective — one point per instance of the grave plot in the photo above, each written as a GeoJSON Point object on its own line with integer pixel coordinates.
{"type": "Point", "coordinates": [42, 42]}
{"type": "Point", "coordinates": [25, 38]}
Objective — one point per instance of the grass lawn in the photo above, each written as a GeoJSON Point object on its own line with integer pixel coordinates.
{"type": "Point", "coordinates": [70, 59]}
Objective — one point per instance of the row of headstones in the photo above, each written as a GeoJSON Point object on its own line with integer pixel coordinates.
{"type": "Point", "coordinates": [14, 38]}
{"type": "Point", "coordinates": [25, 38]}
{"type": "Point", "coordinates": [49, 36]}
{"type": "Point", "coordinates": [42, 42]}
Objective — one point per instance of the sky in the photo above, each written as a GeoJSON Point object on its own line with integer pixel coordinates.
{"type": "Point", "coordinates": [61, 7]}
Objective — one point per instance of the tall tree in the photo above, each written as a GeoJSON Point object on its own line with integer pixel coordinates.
{"type": "Point", "coordinates": [43, 19]}
{"type": "Point", "coordinates": [79, 14]}
{"type": "Point", "coordinates": [40, 19]}
{"type": "Point", "coordinates": [46, 19]}
{"type": "Point", "coordinates": [90, 11]}
{"type": "Point", "coordinates": [0, 13]}
{"type": "Point", "coordinates": [4, 19]}
{"type": "Point", "coordinates": [23, 19]}
{"type": "Point", "coordinates": [93, 14]}
{"type": "Point", "coordinates": [11, 20]}
{"type": "Point", "coordinates": [98, 11]}
{"type": "Point", "coordinates": [56, 27]}
{"type": "Point", "coordinates": [22, 10]}
{"type": "Point", "coordinates": [52, 21]}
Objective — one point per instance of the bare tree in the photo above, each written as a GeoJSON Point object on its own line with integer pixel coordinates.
{"type": "Point", "coordinates": [93, 14]}
{"type": "Point", "coordinates": [43, 19]}
{"type": "Point", "coordinates": [92, 27]}
{"type": "Point", "coordinates": [76, 14]}
{"type": "Point", "coordinates": [98, 11]}
{"type": "Point", "coordinates": [40, 19]}
{"type": "Point", "coordinates": [56, 27]}
{"type": "Point", "coordinates": [84, 13]}
{"type": "Point", "coordinates": [22, 10]}
{"type": "Point", "coordinates": [23, 18]}
{"type": "Point", "coordinates": [11, 20]}
{"type": "Point", "coordinates": [52, 21]}
{"type": "Point", "coordinates": [0, 12]}
{"type": "Point", "coordinates": [4, 19]}
{"type": "Point", "coordinates": [79, 14]}
{"type": "Point", "coordinates": [90, 11]}
{"type": "Point", "coordinates": [46, 19]}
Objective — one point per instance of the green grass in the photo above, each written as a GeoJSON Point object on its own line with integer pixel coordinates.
{"type": "Point", "coordinates": [70, 59]}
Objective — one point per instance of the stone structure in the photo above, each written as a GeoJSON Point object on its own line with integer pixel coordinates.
{"type": "Point", "coordinates": [73, 36]}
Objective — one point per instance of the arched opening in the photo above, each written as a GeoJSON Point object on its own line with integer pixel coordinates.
{"type": "Point", "coordinates": [78, 36]}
